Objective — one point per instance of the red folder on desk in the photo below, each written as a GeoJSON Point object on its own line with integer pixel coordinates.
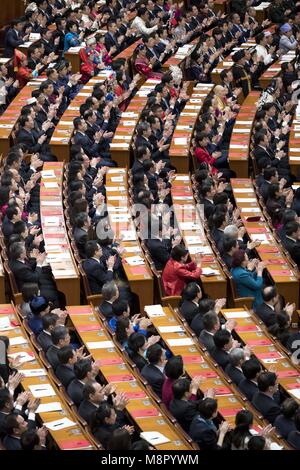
{"type": "Point", "coordinates": [281, 374]}
{"type": "Point", "coordinates": [74, 444]}
{"type": "Point", "coordinates": [151, 411]}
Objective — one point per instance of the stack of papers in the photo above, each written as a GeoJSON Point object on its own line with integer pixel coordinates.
{"type": "Point", "coordinates": [154, 311]}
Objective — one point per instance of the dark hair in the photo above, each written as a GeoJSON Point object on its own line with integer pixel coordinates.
{"type": "Point", "coordinates": [90, 248]}
{"type": "Point", "coordinates": [243, 422]}
{"type": "Point", "coordinates": [266, 380]}
{"type": "Point", "coordinates": [135, 342]}
{"type": "Point", "coordinates": [291, 227]}
{"type": "Point", "coordinates": [29, 439]}
{"type": "Point", "coordinates": [174, 367]}
{"type": "Point", "coordinates": [269, 293]}
{"type": "Point", "coordinates": [228, 244]}
{"type": "Point", "coordinates": [205, 305]}
{"type": "Point", "coordinates": [58, 333]}
{"type": "Point", "coordinates": [251, 368]}
{"type": "Point", "coordinates": [190, 291]}
{"type": "Point", "coordinates": [154, 353]}
{"type": "Point", "coordinates": [98, 418]}
{"type": "Point", "coordinates": [210, 319]}
{"type": "Point", "coordinates": [29, 290]}
{"type": "Point", "coordinates": [289, 407]}
{"type": "Point", "coordinates": [10, 423]}
{"type": "Point", "coordinates": [180, 387]}
{"type": "Point", "coordinates": [4, 397]}
{"type": "Point", "coordinates": [207, 407]}
{"type": "Point", "coordinates": [65, 354]}
{"type": "Point", "coordinates": [256, 443]}
{"type": "Point", "coordinates": [121, 326]}
{"type": "Point", "coordinates": [88, 390]}
{"type": "Point", "coordinates": [119, 440]}
{"type": "Point", "coordinates": [81, 368]}
{"type": "Point", "coordinates": [222, 338]}
{"type": "Point", "coordinates": [237, 258]}
{"type": "Point", "coordinates": [119, 307]}
{"type": "Point", "coordinates": [178, 252]}
{"type": "Point", "coordinates": [50, 319]}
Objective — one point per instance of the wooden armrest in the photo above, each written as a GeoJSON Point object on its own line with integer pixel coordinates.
{"type": "Point", "coordinates": [248, 301]}
{"type": "Point", "coordinates": [173, 300]}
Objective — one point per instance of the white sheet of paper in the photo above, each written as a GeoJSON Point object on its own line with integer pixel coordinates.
{"type": "Point", "coordinates": [243, 190]}
{"type": "Point", "coordinates": [100, 344]}
{"type": "Point", "coordinates": [189, 226]}
{"type": "Point", "coordinates": [171, 329]}
{"type": "Point", "coordinates": [238, 146]}
{"type": "Point", "coordinates": [250, 209]}
{"type": "Point", "coordinates": [5, 323]}
{"type": "Point", "coordinates": [128, 235]}
{"type": "Point", "coordinates": [59, 424]}
{"type": "Point", "coordinates": [117, 179]}
{"type": "Point", "coordinates": [111, 189]}
{"type": "Point", "coordinates": [295, 392]}
{"type": "Point", "coordinates": [180, 342]}
{"type": "Point", "coordinates": [46, 407]}
{"type": "Point", "coordinates": [135, 260]}
{"type": "Point", "coordinates": [193, 240]}
{"type": "Point", "coordinates": [23, 357]}
{"type": "Point", "coordinates": [180, 141]}
{"type": "Point", "coordinates": [239, 314]}
{"type": "Point", "coordinates": [48, 174]}
{"type": "Point", "coordinates": [154, 437]}
{"type": "Point", "coordinates": [154, 311]}
{"type": "Point", "coordinates": [33, 372]}
{"type": "Point", "coordinates": [182, 178]}
{"type": "Point", "coordinates": [119, 145]}
{"type": "Point", "coordinates": [51, 185]}
{"type": "Point", "coordinates": [17, 340]}
{"type": "Point", "coordinates": [210, 272]}
{"type": "Point", "coordinates": [204, 250]}
{"type": "Point", "coordinates": [42, 390]}
{"type": "Point", "coordinates": [245, 199]}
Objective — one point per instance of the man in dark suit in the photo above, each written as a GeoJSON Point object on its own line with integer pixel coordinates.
{"type": "Point", "coordinates": [91, 147]}
{"type": "Point", "coordinates": [49, 321]}
{"type": "Point", "coordinates": [34, 141]}
{"type": "Point", "coordinates": [60, 338]}
{"type": "Point", "coordinates": [229, 247]}
{"type": "Point", "coordinates": [84, 372]}
{"type": "Point", "coordinates": [248, 385]}
{"type": "Point", "coordinates": [190, 305]}
{"type": "Point", "coordinates": [65, 370]}
{"type": "Point", "coordinates": [207, 193]}
{"type": "Point", "coordinates": [13, 214]}
{"type": "Point", "coordinates": [96, 271]}
{"type": "Point", "coordinates": [292, 241]}
{"type": "Point", "coordinates": [211, 324]}
{"type": "Point", "coordinates": [154, 371]}
{"type": "Point", "coordinates": [234, 368]}
{"type": "Point", "coordinates": [110, 293]}
{"type": "Point", "coordinates": [223, 344]}
{"type": "Point", "coordinates": [184, 406]}
{"type": "Point", "coordinates": [160, 250]}
{"type": "Point", "coordinates": [266, 311]}
{"type": "Point", "coordinates": [142, 153]}
{"type": "Point", "coordinates": [285, 422]}
{"type": "Point", "coordinates": [270, 176]}
{"type": "Point", "coordinates": [14, 38]}
{"type": "Point", "coordinates": [93, 395]}
{"type": "Point", "coordinates": [294, 436]}
{"type": "Point", "coordinates": [81, 228]}
{"type": "Point", "coordinates": [111, 39]}
{"type": "Point", "coordinates": [219, 221]}
{"type": "Point", "coordinates": [15, 425]}
{"type": "Point", "coordinates": [7, 407]}
{"type": "Point", "coordinates": [264, 400]}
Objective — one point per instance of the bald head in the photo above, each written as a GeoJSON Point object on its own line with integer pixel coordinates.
{"type": "Point", "coordinates": [269, 294]}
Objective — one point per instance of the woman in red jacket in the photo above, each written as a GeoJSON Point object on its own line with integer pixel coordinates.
{"type": "Point", "coordinates": [178, 272]}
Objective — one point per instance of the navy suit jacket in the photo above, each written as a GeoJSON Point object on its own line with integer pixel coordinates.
{"type": "Point", "coordinates": [248, 388]}
{"type": "Point", "coordinates": [74, 390]}
{"type": "Point", "coordinates": [65, 374]}
{"type": "Point", "coordinates": [97, 275]}
{"type": "Point", "coordinates": [234, 373]}
{"type": "Point", "coordinates": [284, 426]}
{"type": "Point", "coordinates": [12, 40]}
{"type": "Point", "coordinates": [267, 406]}
{"type": "Point", "coordinates": [154, 377]}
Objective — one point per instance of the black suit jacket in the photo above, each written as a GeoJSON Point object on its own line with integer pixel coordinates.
{"type": "Point", "coordinates": [29, 138]}
{"type": "Point", "coordinates": [51, 355]}
{"type": "Point", "coordinates": [86, 410]}
{"type": "Point", "coordinates": [220, 356]}
{"type": "Point", "coordinates": [81, 238]}
{"type": "Point", "coordinates": [106, 309]}
{"type": "Point", "coordinates": [154, 377]}
{"type": "Point", "coordinates": [12, 40]}
{"type": "Point", "coordinates": [204, 435]}
{"type": "Point", "coordinates": [209, 207]}
{"type": "Point", "coordinates": [207, 340]}
{"type": "Point", "coordinates": [97, 274]}
{"type": "Point", "coordinates": [25, 272]}
{"type": "Point", "coordinates": [294, 439]}
{"type": "Point", "coordinates": [160, 252]}
{"type": "Point", "coordinates": [44, 340]}
{"type": "Point", "coordinates": [248, 388]}
{"type": "Point", "coordinates": [293, 247]}
{"type": "Point", "coordinates": [267, 406]}
{"type": "Point", "coordinates": [74, 390]}
{"type": "Point", "coordinates": [197, 324]}
{"type": "Point", "coordinates": [189, 310]}
{"type": "Point", "coordinates": [284, 426]}
{"type": "Point", "coordinates": [235, 374]}
{"type": "Point", "coordinates": [266, 314]}
{"type": "Point", "coordinates": [65, 374]}
{"type": "Point", "coordinates": [184, 412]}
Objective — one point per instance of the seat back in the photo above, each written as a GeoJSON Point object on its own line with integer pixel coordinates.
{"type": "Point", "coordinates": [13, 285]}
{"type": "Point", "coordinates": [95, 299]}
{"type": "Point", "coordinates": [164, 299]}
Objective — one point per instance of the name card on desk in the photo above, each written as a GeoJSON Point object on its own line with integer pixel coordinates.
{"type": "Point", "coordinates": [238, 146]}
{"type": "Point", "coordinates": [100, 344]}
{"type": "Point", "coordinates": [180, 141]}
{"type": "Point", "coordinates": [51, 221]}
{"type": "Point", "coordinates": [59, 424]}
{"type": "Point", "coordinates": [202, 250]}
{"type": "Point", "coordinates": [239, 314]}
{"type": "Point", "coordinates": [47, 407]}
{"type": "Point", "coordinates": [171, 329]}
{"type": "Point", "coordinates": [180, 342]}
{"type": "Point", "coordinates": [5, 324]}
{"type": "Point", "coordinates": [135, 260]}
{"type": "Point", "coordinates": [42, 390]}
{"type": "Point", "coordinates": [33, 372]}
{"type": "Point", "coordinates": [17, 340]}
{"type": "Point", "coordinates": [122, 137]}
{"type": "Point", "coordinates": [125, 145]}
{"type": "Point", "coordinates": [128, 235]}
{"type": "Point", "coordinates": [23, 356]}
{"type": "Point", "coordinates": [154, 311]}
{"type": "Point", "coordinates": [243, 190]}
{"type": "Point", "coordinates": [111, 189]}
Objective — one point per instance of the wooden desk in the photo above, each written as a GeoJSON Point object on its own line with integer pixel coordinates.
{"type": "Point", "coordinates": [139, 276]}
{"type": "Point", "coordinates": [143, 410]}
{"type": "Point", "coordinates": [294, 148]}
{"type": "Point", "coordinates": [61, 138]}
{"type": "Point", "coordinates": [262, 11]}
{"type": "Point", "coordinates": [238, 155]}
{"type": "Point", "coordinates": [59, 253]}
{"type": "Point", "coordinates": [180, 55]}
{"type": "Point", "coordinates": [274, 69]}
{"type": "Point", "coordinates": [278, 267]}
{"type": "Point", "coordinates": [179, 151]}
{"type": "Point", "coordinates": [268, 351]}
{"type": "Point", "coordinates": [198, 363]}
{"type": "Point", "coordinates": [64, 438]}
{"type": "Point", "coordinates": [120, 147]}
{"type": "Point", "coordinates": [222, 6]}
{"type": "Point", "coordinates": [191, 227]}
{"type": "Point", "coordinates": [227, 63]}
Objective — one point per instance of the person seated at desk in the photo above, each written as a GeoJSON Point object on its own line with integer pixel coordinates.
{"type": "Point", "coordinates": [23, 73]}
{"type": "Point", "coordinates": [285, 422]}
{"type": "Point", "coordinates": [92, 147]}
{"type": "Point", "coordinates": [137, 349]}
{"type": "Point", "coordinates": [60, 338]}
{"type": "Point", "coordinates": [271, 306]}
{"type": "Point", "coordinates": [281, 331]}
{"type": "Point", "coordinates": [173, 371]}
{"type": "Point", "coordinates": [13, 215]}
{"type": "Point", "coordinates": [35, 141]}
{"type": "Point", "coordinates": [82, 225]}
{"type": "Point", "coordinates": [106, 419]}
{"type": "Point", "coordinates": [49, 322]}
{"type": "Point", "coordinates": [97, 272]}
{"type": "Point", "coordinates": [247, 276]}
{"type": "Point", "coordinates": [14, 37]}
{"type": "Point", "coordinates": [39, 307]}
{"type": "Point", "coordinates": [154, 371]}
{"type": "Point", "coordinates": [292, 241]}
{"type": "Point", "coordinates": [267, 399]}
{"type": "Point", "coordinates": [294, 436]}
{"type": "Point", "coordinates": [67, 357]}
{"type": "Point", "coordinates": [84, 371]}
{"type": "Point", "coordinates": [178, 272]}
{"type": "Point", "coordinates": [93, 395]}
{"type": "Point", "coordinates": [211, 324]}
{"type": "Point", "coordinates": [234, 368]}
{"type": "Point", "coordinates": [190, 298]}
{"type": "Point", "coordinates": [248, 385]}
{"type": "Point", "coordinates": [110, 294]}
{"type": "Point", "coordinates": [230, 247]}
{"type": "Point", "coordinates": [206, 305]}
{"type": "Point", "coordinates": [143, 65]}
{"type": "Point", "coordinates": [224, 343]}
{"type": "Point", "coordinates": [238, 438]}
{"type": "Point", "coordinates": [120, 309]}
{"type": "Point", "coordinates": [72, 38]}
{"type": "Point", "coordinates": [184, 404]}
{"type": "Point", "coordinates": [203, 430]}
{"type": "Point", "coordinates": [15, 425]}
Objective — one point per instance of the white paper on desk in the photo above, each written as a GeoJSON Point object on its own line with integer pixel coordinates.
{"type": "Point", "coordinates": [128, 235]}
{"type": "Point", "coordinates": [182, 178]}
{"type": "Point", "coordinates": [154, 311]}
{"type": "Point", "coordinates": [270, 360]}
{"type": "Point", "coordinates": [46, 407]}
{"type": "Point", "coordinates": [53, 248]}
{"type": "Point", "coordinates": [189, 114]}
{"type": "Point", "coordinates": [129, 114]}
{"type": "Point", "coordinates": [180, 141]}
{"type": "Point", "coordinates": [239, 314]}
{"type": "Point", "coordinates": [60, 139]}
{"type": "Point", "coordinates": [117, 210]}
{"type": "Point", "coordinates": [184, 128]}
{"type": "Point", "coordinates": [51, 221]}
{"type": "Point", "coordinates": [132, 249]}
{"type": "Point", "coordinates": [100, 344]}
{"type": "Point", "coordinates": [180, 342]}
{"type": "Point", "coordinates": [122, 137]}
{"type": "Point", "coordinates": [275, 446]}
{"type": "Point", "coordinates": [135, 260]}
{"type": "Point", "coordinates": [6, 126]}
{"type": "Point", "coordinates": [23, 357]}
{"type": "Point", "coordinates": [243, 122]}
{"type": "Point", "coordinates": [74, 49]}
{"type": "Point", "coordinates": [238, 146]}
{"type": "Point", "coordinates": [250, 209]}
{"type": "Point", "coordinates": [42, 390]}
{"type": "Point", "coordinates": [111, 189]}
{"type": "Point", "coordinates": [171, 329]}
{"type": "Point", "coordinates": [295, 392]}
{"type": "Point", "coordinates": [242, 131]}
{"type": "Point", "coordinates": [51, 185]}
{"type": "Point", "coordinates": [17, 340]}
{"type": "Point", "coordinates": [260, 236]}
{"type": "Point", "coordinates": [5, 323]}
{"type": "Point", "coordinates": [242, 190]}
{"type": "Point", "coordinates": [117, 179]}
{"type": "Point", "coordinates": [193, 240]}
{"type": "Point", "coordinates": [59, 424]}
{"type": "Point", "coordinates": [116, 170]}
{"type": "Point", "coordinates": [210, 272]}
{"type": "Point", "coordinates": [120, 217]}
{"type": "Point", "coordinates": [50, 203]}
{"type": "Point", "coordinates": [115, 198]}
{"type": "Point", "coordinates": [128, 123]}
{"type": "Point", "coordinates": [246, 199]}
{"type": "Point", "coordinates": [189, 226]}
{"type": "Point", "coordinates": [295, 158]}
{"type": "Point", "coordinates": [203, 250]}
{"type": "Point", "coordinates": [227, 64]}
{"type": "Point", "coordinates": [33, 372]}
{"type": "Point", "coordinates": [48, 174]}
{"type": "Point", "coordinates": [182, 198]}
{"type": "Point", "coordinates": [154, 437]}
{"type": "Point", "coordinates": [295, 149]}
{"type": "Point", "coordinates": [63, 272]}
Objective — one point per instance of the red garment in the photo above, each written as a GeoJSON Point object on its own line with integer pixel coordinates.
{"type": "Point", "coordinates": [203, 156]}
{"type": "Point", "coordinates": [23, 74]}
{"type": "Point", "coordinates": [118, 92]}
{"type": "Point", "coordinates": [176, 275]}
{"type": "Point", "coordinates": [105, 56]}
{"type": "Point", "coordinates": [87, 68]}
{"type": "Point", "coordinates": [142, 67]}
{"type": "Point", "coordinates": [167, 392]}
